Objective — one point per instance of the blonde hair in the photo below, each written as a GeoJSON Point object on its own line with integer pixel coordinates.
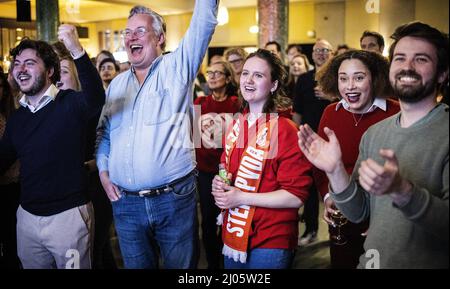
{"type": "Point", "coordinates": [73, 72]}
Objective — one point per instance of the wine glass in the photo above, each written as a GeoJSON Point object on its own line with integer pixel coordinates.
{"type": "Point", "coordinates": [339, 220]}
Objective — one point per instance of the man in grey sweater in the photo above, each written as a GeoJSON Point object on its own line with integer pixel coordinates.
{"type": "Point", "coordinates": [402, 178]}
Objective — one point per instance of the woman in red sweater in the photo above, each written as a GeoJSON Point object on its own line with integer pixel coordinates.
{"type": "Point", "coordinates": [215, 110]}
{"type": "Point", "coordinates": [269, 174]}
{"type": "Point", "coordinates": [361, 80]}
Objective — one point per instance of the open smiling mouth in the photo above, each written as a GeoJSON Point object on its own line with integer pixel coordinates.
{"type": "Point", "coordinates": [23, 78]}
{"type": "Point", "coordinates": [408, 79]}
{"type": "Point", "coordinates": [249, 89]}
{"type": "Point", "coordinates": [136, 48]}
{"type": "Point", "coordinates": [353, 97]}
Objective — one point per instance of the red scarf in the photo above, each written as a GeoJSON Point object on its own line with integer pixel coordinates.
{"type": "Point", "coordinates": [237, 221]}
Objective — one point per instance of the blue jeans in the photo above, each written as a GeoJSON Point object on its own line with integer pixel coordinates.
{"type": "Point", "coordinates": [166, 223]}
{"type": "Point", "coordinates": [263, 259]}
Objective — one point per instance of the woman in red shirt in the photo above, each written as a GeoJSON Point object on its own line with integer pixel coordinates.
{"type": "Point", "coordinates": [215, 110]}
{"type": "Point", "coordinates": [269, 174]}
{"type": "Point", "coordinates": [361, 80]}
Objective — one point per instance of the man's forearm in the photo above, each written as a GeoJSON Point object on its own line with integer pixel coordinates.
{"type": "Point", "coordinates": [339, 179]}
{"type": "Point", "coordinates": [91, 83]}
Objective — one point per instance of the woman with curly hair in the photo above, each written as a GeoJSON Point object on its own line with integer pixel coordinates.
{"type": "Point", "coordinates": [360, 79]}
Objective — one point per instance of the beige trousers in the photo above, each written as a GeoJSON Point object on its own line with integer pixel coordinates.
{"type": "Point", "coordinates": [63, 241]}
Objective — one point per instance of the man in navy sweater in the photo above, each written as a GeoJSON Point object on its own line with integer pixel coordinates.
{"type": "Point", "coordinates": [47, 134]}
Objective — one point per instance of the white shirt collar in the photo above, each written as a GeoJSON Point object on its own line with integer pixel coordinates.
{"type": "Point", "coordinates": [49, 95]}
{"type": "Point", "coordinates": [378, 102]}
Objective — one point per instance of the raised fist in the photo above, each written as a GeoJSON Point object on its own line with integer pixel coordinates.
{"type": "Point", "coordinates": [68, 35]}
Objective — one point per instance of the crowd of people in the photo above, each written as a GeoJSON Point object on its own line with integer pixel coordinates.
{"type": "Point", "coordinates": [89, 150]}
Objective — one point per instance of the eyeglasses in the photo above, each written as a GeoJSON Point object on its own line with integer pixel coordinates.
{"type": "Point", "coordinates": [216, 73]}
{"type": "Point", "coordinates": [322, 50]}
{"type": "Point", "coordinates": [138, 32]}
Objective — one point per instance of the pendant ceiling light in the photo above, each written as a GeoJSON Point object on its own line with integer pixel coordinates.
{"type": "Point", "coordinates": [222, 16]}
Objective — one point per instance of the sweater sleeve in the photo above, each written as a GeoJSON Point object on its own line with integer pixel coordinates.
{"type": "Point", "coordinates": [428, 210]}
{"type": "Point", "coordinates": [92, 95]}
{"type": "Point", "coordinates": [294, 170]}
{"type": "Point", "coordinates": [354, 201]}
{"type": "Point", "coordinates": [103, 142]}
{"type": "Point", "coordinates": [190, 52]}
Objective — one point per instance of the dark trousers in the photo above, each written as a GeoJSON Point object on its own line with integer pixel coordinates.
{"type": "Point", "coordinates": [8, 238]}
{"type": "Point", "coordinates": [103, 257]}
{"type": "Point", "coordinates": [311, 211]}
{"type": "Point", "coordinates": [346, 256]}
{"type": "Point", "coordinates": [212, 240]}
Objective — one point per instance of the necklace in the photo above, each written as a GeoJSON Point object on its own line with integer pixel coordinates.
{"type": "Point", "coordinates": [359, 120]}
{"type": "Point", "coordinates": [361, 117]}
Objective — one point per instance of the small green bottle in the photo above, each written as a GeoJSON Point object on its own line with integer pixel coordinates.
{"type": "Point", "coordinates": [223, 173]}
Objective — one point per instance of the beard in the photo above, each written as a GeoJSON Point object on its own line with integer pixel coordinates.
{"type": "Point", "coordinates": [37, 86]}
{"type": "Point", "coordinates": [413, 93]}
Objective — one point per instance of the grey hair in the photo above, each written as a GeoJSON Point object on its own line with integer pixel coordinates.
{"type": "Point", "coordinates": [159, 25]}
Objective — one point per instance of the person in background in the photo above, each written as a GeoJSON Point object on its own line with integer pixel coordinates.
{"type": "Point", "coordinates": [269, 177]}
{"type": "Point", "coordinates": [15, 91]}
{"type": "Point", "coordinates": [275, 48]}
{"type": "Point", "coordinates": [102, 55]}
{"type": "Point", "coordinates": [293, 50]}
{"type": "Point", "coordinates": [69, 75]}
{"type": "Point", "coordinates": [124, 66]}
{"type": "Point", "coordinates": [236, 57]}
{"type": "Point", "coordinates": [360, 79]}
{"type": "Point", "coordinates": [46, 134]}
{"type": "Point", "coordinates": [215, 58]}
{"type": "Point", "coordinates": [309, 104]}
{"type": "Point", "coordinates": [341, 49]}
{"type": "Point", "coordinates": [372, 41]}
{"type": "Point", "coordinates": [9, 187]}
{"type": "Point", "coordinates": [216, 109]}
{"type": "Point", "coordinates": [144, 154]}
{"type": "Point", "coordinates": [401, 177]}
{"type": "Point", "coordinates": [108, 70]}
{"type": "Point", "coordinates": [297, 66]}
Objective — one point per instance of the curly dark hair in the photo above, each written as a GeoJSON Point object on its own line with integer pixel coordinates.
{"type": "Point", "coordinates": [43, 51]}
{"type": "Point", "coordinates": [277, 100]}
{"type": "Point", "coordinates": [378, 66]}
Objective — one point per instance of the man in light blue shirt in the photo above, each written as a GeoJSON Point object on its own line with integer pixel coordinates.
{"type": "Point", "coordinates": [144, 152]}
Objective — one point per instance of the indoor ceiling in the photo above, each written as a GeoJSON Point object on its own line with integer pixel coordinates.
{"type": "Point", "coordinates": [102, 10]}
{"type": "Point", "coordinates": [180, 6]}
